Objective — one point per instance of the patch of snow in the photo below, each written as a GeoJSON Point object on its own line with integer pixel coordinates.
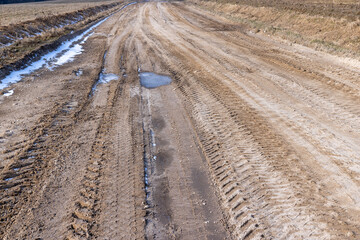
{"type": "Point", "coordinates": [9, 93]}
{"type": "Point", "coordinates": [65, 53]}
{"type": "Point", "coordinates": [5, 45]}
{"type": "Point", "coordinates": [107, 77]}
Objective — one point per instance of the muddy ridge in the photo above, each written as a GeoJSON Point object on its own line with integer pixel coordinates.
{"type": "Point", "coordinates": [26, 42]}
{"type": "Point", "coordinates": [14, 32]}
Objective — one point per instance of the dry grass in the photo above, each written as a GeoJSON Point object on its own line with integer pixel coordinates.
{"type": "Point", "coordinates": [17, 13]}
{"type": "Point", "coordinates": [332, 34]}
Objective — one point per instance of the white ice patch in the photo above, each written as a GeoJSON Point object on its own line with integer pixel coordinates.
{"type": "Point", "coordinates": [79, 72]}
{"type": "Point", "coordinates": [107, 77]}
{"type": "Point", "coordinates": [65, 53]}
{"type": "Point", "coordinates": [5, 45]}
{"type": "Point", "coordinates": [127, 5]}
{"type": "Point", "coordinates": [104, 78]}
{"type": "Point", "coordinates": [68, 55]}
{"type": "Point", "coordinates": [9, 93]}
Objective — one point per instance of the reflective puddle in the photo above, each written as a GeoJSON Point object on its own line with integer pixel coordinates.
{"type": "Point", "coordinates": [151, 80]}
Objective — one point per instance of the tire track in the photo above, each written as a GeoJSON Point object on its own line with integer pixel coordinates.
{"type": "Point", "coordinates": [33, 164]}
{"type": "Point", "coordinates": [87, 205]}
{"type": "Point", "coordinates": [31, 160]}
{"type": "Point", "coordinates": [284, 203]}
{"type": "Point", "coordinates": [278, 128]}
{"type": "Point", "coordinates": [111, 198]}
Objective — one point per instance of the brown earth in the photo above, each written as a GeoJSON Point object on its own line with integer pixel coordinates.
{"type": "Point", "coordinates": [254, 138]}
{"type": "Point", "coordinates": [333, 28]}
{"type": "Point", "coordinates": [16, 13]}
{"type": "Point", "coordinates": [335, 8]}
{"type": "Point", "coordinates": [27, 40]}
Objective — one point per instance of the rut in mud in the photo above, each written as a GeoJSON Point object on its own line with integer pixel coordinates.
{"type": "Point", "coordinates": [245, 137]}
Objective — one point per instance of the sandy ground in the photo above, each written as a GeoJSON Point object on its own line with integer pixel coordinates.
{"type": "Point", "coordinates": [254, 138]}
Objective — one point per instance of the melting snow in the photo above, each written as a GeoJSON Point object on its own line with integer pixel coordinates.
{"type": "Point", "coordinates": [65, 53]}
{"type": "Point", "coordinates": [9, 93]}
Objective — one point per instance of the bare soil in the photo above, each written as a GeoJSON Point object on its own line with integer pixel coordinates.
{"type": "Point", "coordinates": [12, 14]}
{"type": "Point", "coordinates": [254, 138]}
{"type": "Point", "coordinates": [329, 27]}
{"type": "Point", "coordinates": [28, 40]}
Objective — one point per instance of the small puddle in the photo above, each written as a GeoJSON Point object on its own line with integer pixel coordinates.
{"type": "Point", "coordinates": [152, 80]}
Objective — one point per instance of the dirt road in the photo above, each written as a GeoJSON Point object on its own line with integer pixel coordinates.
{"type": "Point", "coordinates": [253, 138]}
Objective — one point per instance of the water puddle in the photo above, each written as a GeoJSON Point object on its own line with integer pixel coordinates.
{"type": "Point", "coordinates": [152, 80]}
{"type": "Point", "coordinates": [9, 93]}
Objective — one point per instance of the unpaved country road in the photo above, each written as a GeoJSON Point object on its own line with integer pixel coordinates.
{"type": "Point", "coordinates": [253, 138]}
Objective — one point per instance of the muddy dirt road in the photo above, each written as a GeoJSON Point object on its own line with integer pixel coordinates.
{"type": "Point", "coordinates": [253, 138]}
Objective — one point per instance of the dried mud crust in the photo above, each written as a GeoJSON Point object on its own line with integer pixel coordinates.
{"type": "Point", "coordinates": [269, 130]}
